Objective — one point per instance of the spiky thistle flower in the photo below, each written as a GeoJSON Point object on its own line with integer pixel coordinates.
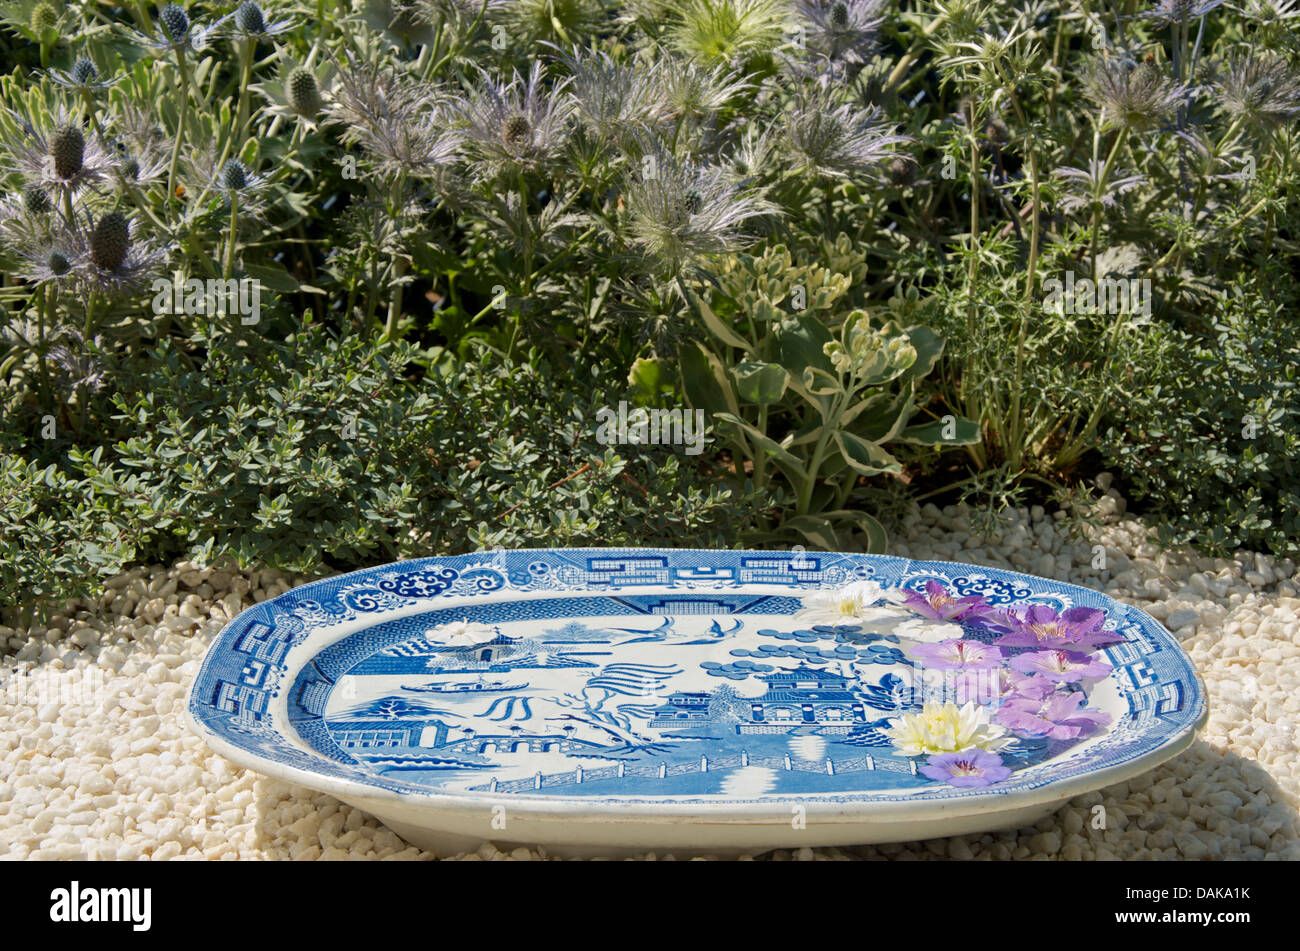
{"type": "Point", "coordinates": [1167, 12]}
{"type": "Point", "coordinates": [78, 366]}
{"type": "Point", "coordinates": [1137, 98]}
{"type": "Point", "coordinates": [611, 98]}
{"type": "Point", "coordinates": [680, 213]}
{"type": "Point", "coordinates": [396, 119]}
{"type": "Point", "coordinates": [300, 91]}
{"type": "Point", "coordinates": [689, 90]}
{"type": "Point", "coordinates": [756, 155]}
{"type": "Point", "coordinates": [83, 77]}
{"type": "Point", "coordinates": [139, 145]}
{"type": "Point", "coordinates": [516, 126]}
{"type": "Point", "coordinates": [841, 29]}
{"type": "Point", "coordinates": [37, 200]}
{"type": "Point", "coordinates": [1091, 187]}
{"type": "Point", "coordinates": [27, 218]}
{"type": "Point", "coordinates": [109, 259]}
{"type": "Point", "coordinates": [1260, 89]}
{"type": "Point", "coordinates": [727, 32]}
{"type": "Point", "coordinates": [249, 21]}
{"type": "Point", "coordinates": [1269, 12]}
{"type": "Point", "coordinates": [175, 32]}
{"type": "Point", "coordinates": [61, 156]}
{"type": "Point", "coordinates": [563, 22]}
{"type": "Point", "coordinates": [838, 140]}
{"type": "Point", "coordinates": [43, 22]}
{"type": "Point", "coordinates": [110, 241]}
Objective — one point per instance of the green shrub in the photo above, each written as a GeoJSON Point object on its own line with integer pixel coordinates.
{"type": "Point", "coordinates": [321, 454]}
{"type": "Point", "coordinates": [1209, 432]}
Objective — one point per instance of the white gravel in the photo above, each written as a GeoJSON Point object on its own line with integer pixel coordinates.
{"type": "Point", "coordinates": [98, 762]}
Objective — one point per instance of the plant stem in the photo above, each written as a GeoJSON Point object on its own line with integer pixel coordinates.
{"type": "Point", "coordinates": [399, 265]}
{"type": "Point", "coordinates": [228, 268]}
{"type": "Point", "coordinates": [180, 126]}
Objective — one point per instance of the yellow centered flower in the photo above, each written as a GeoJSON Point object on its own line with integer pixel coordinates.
{"type": "Point", "coordinates": [946, 728]}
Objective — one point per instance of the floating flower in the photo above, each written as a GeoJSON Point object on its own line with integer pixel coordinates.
{"type": "Point", "coordinates": [847, 605]}
{"type": "Point", "coordinates": [966, 768]}
{"type": "Point", "coordinates": [1033, 687]}
{"type": "Point", "coordinates": [959, 654]}
{"type": "Point", "coordinates": [938, 605]}
{"type": "Point", "coordinates": [945, 728]}
{"type": "Point", "coordinates": [1073, 629]}
{"type": "Point", "coordinates": [1056, 716]}
{"type": "Point", "coordinates": [460, 633]}
{"type": "Point", "coordinates": [1061, 666]}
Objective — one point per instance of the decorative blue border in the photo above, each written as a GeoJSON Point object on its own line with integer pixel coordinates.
{"type": "Point", "coordinates": [244, 670]}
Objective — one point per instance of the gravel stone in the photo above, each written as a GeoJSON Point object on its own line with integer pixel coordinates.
{"type": "Point", "coordinates": [102, 766]}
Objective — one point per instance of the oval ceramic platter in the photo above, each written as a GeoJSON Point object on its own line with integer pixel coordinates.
{"type": "Point", "coordinates": [598, 700]}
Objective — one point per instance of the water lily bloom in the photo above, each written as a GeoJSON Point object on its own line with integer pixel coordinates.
{"type": "Point", "coordinates": [1073, 629]}
{"type": "Point", "coordinates": [1061, 666]}
{"type": "Point", "coordinates": [1056, 716]}
{"type": "Point", "coordinates": [959, 654]}
{"type": "Point", "coordinates": [938, 605]}
{"type": "Point", "coordinates": [946, 728]}
{"type": "Point", "coordinates": [966, 768]}
{"type": "Point", "coordinates": [460, 633]}
{"type": "Point", "coordinates": [849, 604]}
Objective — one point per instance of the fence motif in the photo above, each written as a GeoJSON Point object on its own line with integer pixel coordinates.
{"type": "Point", "coordinates": [703, 765]}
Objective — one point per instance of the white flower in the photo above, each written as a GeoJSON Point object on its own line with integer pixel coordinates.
{"type": "Point", "coordinates": [460, 633]}
{"type": "Point", "coordinates": [927, 631]}
{"type": "Point", "coordinates": [850, 604]}
{"type": "Point", "coordinates": [946, 728]}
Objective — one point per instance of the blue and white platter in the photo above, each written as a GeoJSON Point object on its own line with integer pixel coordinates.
{"type": "Point", "coordinates": [606, 700]}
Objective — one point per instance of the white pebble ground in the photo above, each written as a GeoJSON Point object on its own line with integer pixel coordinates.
{"type": "Point", "coordinates": [98, 762]}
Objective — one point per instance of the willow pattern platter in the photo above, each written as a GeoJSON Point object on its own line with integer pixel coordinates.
{"type": "Point", "coordinates": [601, 699]}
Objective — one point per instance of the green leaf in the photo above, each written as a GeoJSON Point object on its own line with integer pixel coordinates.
{"type": "Point", "coordinates": [799, 345]}
{"type": "Point", "coordinates": [790, 464]}
{"type": "Point", "coordinates": [877, 539]}
{"type": "Point", "coordinates": [649, 379]}
{"type": "Point", "coordinates": [717, 327]}
{"type": "Point", "coordinates": [816, 529]}
{"type": "Point", "coordinates": [929, 347]}
{"type": "Point", "coordinates": [274, 277]}
{"type": "Point", "coordinates": [865, 456]}
{"type": "Point", "coordinates": [760, 383]}
{"type": "Point", "coordinates": [704, 381]}
{"type": "Point", "coordinates": [964, 432]}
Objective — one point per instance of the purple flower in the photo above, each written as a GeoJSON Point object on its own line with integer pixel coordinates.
{"type": "Point", "coordinates": [938, 605]}
{"type": "Point", "coordinates": [1074, 629]}
{"type": "Point", "coordinates": [1057, 716]}
{"type": "Point", "coordinates": [1061, 666]}
{"type": "Point", "coordinates": [1023, 686]}
{"type": "Point", "coordinates": [957, 654]}
{"type": "Point", "coordinates": [966, 768]}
